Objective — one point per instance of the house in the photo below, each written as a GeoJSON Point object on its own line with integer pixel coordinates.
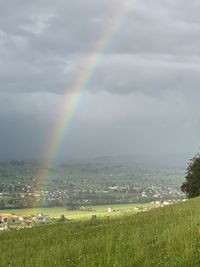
{"type": "Point", "coordinates": [5, 217]}
{"type": "Point", "coordinates": [109, 209]}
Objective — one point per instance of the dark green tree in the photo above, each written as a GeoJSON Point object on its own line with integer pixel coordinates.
{"type": "Point", "coordinates": [192, 184]}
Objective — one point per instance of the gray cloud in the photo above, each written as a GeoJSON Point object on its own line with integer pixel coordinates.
{"type": "Point", "coordinates": [43, 44]}
{"type": "Point", "coordinates": [146, 80]}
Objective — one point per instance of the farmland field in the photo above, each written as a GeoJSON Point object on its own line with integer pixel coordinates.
{"type": "Point", "coordinates": [100, 211]}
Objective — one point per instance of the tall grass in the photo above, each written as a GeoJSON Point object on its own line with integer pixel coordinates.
{"type": "Point", "coordinates": [164, 237]}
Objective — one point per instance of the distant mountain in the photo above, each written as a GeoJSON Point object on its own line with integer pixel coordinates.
{"type": "Point", "coordinates": [170, 160]}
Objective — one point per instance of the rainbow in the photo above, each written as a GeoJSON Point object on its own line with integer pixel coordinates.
{"type": "Point", "coordinates": [73, 95]}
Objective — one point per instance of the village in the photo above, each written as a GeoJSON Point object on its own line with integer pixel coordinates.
{"type": "Point", "coordinates": [10, 222]}
{"type": "Point", "coordinates": [12, 196]}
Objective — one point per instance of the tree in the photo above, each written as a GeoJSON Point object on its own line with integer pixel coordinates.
{"type": "Point", "coordinates": [72, 204]}
{"type": "Point", "coordinates": [192, 185]}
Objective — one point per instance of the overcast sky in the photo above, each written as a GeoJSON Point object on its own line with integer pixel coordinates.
{"type": "Point", "coordinates": [143, 96]}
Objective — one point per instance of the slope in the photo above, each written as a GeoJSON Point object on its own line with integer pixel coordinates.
{"type": "Point", "coordinates": [164, 237]}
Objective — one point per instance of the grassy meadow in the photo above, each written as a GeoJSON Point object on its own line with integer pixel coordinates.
{"type": "Point", "coordinates": [166, 237]}
{"type": "Point", "coordinates": [99, 211]}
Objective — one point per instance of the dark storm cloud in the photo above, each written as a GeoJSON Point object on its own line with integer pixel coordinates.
{"type": "Point", "coordinates": [147, 78]}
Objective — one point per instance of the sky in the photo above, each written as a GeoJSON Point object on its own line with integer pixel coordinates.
{"type": "Point", "coordinates": [143, 95]}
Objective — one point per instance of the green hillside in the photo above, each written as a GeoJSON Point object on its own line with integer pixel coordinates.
{"type": "Point", "coordinates": [162, 237]}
